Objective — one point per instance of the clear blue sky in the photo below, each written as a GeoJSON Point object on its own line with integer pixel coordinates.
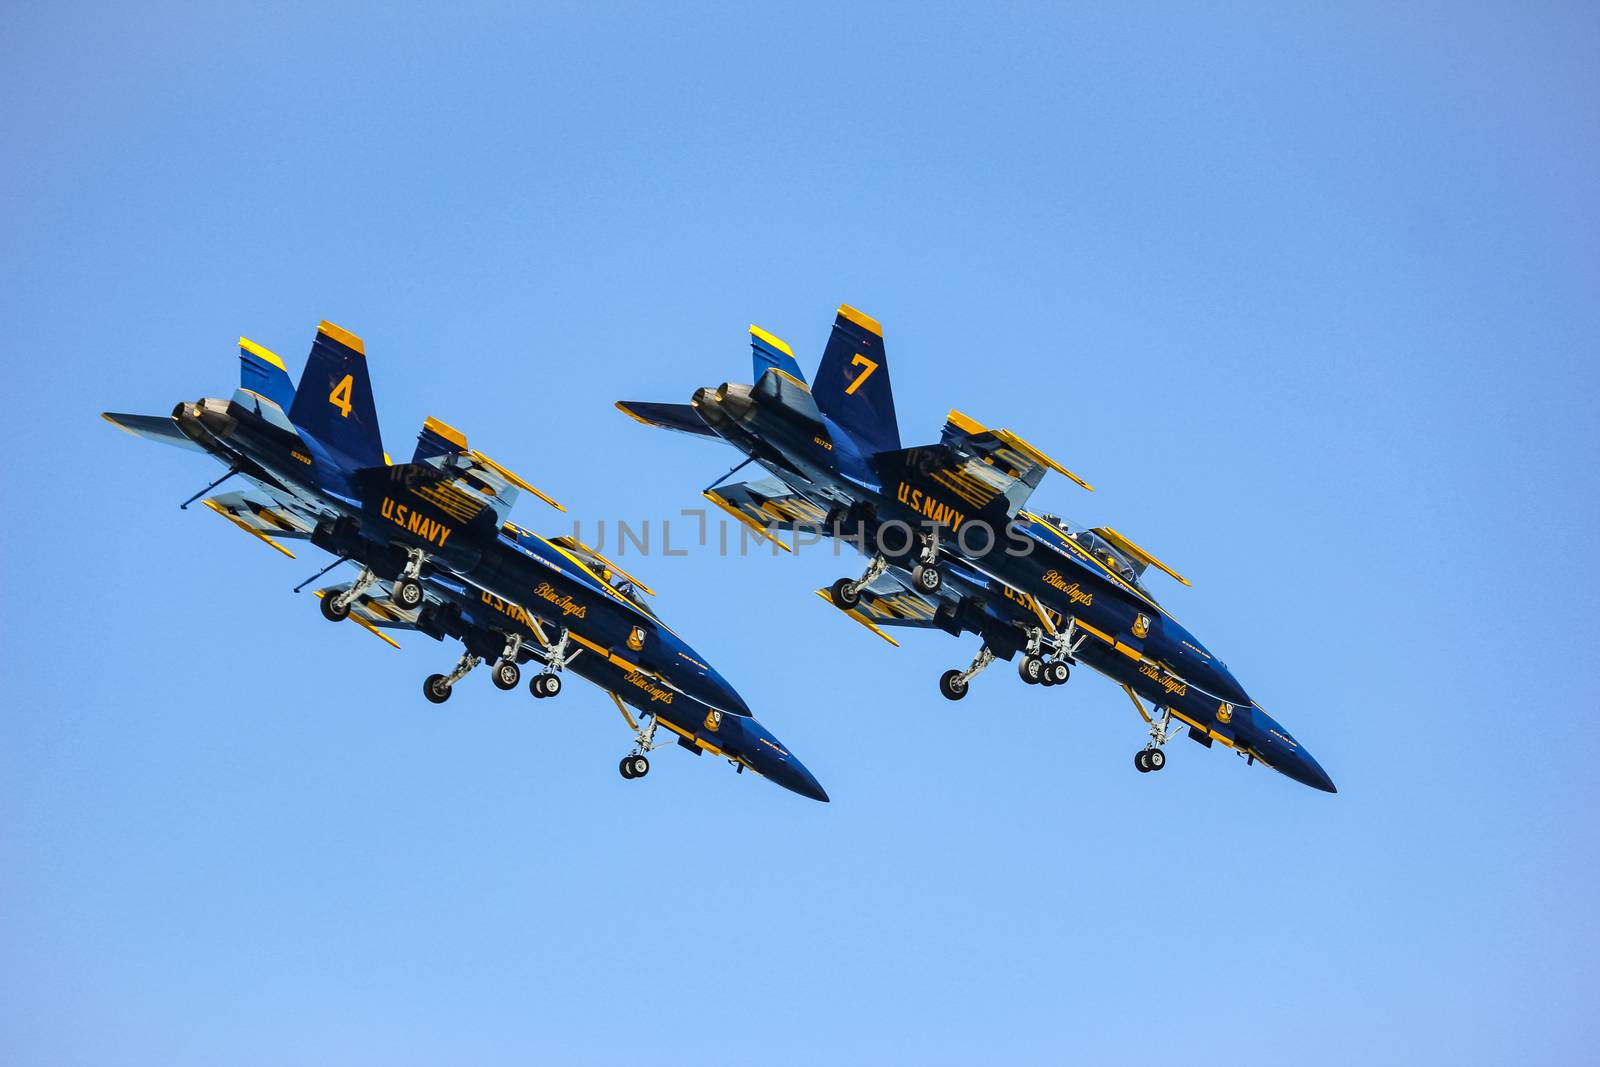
{"type": "Point", "coordinates": [1310, 297]}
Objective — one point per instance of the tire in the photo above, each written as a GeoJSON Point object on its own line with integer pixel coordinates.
{"type": "Point", "coordinates": [1059, 672]}
{"type": "Point", "coordinates": [926, 578]}
{"type": "Point", "coordinates": [951, 686]}
{"type": "Point", "coordinates": [1031, 669]}
{"type": "Point", "coordinates": [842, 597]}
{"type": "Point", "coordinates": [434, 689]}
{"type": "Point", "coordinates": [639, 765]}
{"type": "Point", "coordinates": [536, 686]}
{"type": "Point", "coordinates": [1155, 759]}
{"type": "Point", "coordinates": [1138, 761]}
{"type": "Point", "coordinates": [507, 675]}
{"type": "Point", "coordinates": [331, 613]}
{"type": "Point", "coordinates": [552, 684]}
{"type": "Point", "coordinates": [626, 767]}
{"type": "Point", "coordinates": [408, 593]}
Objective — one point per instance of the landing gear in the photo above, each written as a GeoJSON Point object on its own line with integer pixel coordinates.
{"type": "Point", "coordinates": [337, 608]}
{"type": "Point", "coordinates": [1031, 669]}
{"type": "Point", "coordinates": [1151, 758]}
{"type": "Point", "coordinates": [556, 658]}
{"type": "Point", "coordinates": [408, 590]}
{"type": "Point", "coordinates": [507, 675]}
{"type": "Point", "coordinates": [953, 684]}
{"type": "Point", "coordinates": [506, 672]}
{"type": "Point", "coordinates": [1038, 669]}
{"type": "Point", "coordinates": [437, 687]}
{"type": "Point", "coordinates": [332, 610]}
{"type": "Point", "coordinates": [1056, 672]}
{"type": "Point", "coordinates": [846, 594]}
{"type": "Point", "coordinates": [636, 764]}
{"type": "Point", "coordinates": [925, 575]}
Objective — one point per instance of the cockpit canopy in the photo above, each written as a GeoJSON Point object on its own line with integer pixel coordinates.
{"type": "Point", "coordinates": [1123, 564]}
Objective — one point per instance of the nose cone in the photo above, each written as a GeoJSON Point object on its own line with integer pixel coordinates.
{"type": "Point", "coordinates": [1286, 755]}
{"type": "Point", "coordinates": [755, 743]}
{"type": "Point", "coordinates": [688, 672]}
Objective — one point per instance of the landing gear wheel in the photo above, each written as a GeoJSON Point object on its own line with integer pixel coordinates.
{"type": "Point", "coordinates": [638, 766]}
{"type": "Point", "coordinates": [1138, 761]}
{"type": "Point", "coordinates": [926, 578]}
{"type": "Point", "coordinates": [506, 675]}
{"type": "Point", "coordinates": [952, 685]}
{"type": "Point", "coordinates": [333, 613]}
{"type": "Point", "coordinates": [1155, 759]}
{"type": "Point", "coordinates": [434, 689]}
{"type": "Point", "coordinates": [408, 593]}
{"type": "Point", "coordinates": [843, 596]}
{"type": "Point", "coordinates": [626, 767]}
{"type": "Point", "coordinates": [1031, 669]}
{"type": "Point", "coordinates": [1057, 671]}
{"type": "Point", "coordinates": [545, 685]}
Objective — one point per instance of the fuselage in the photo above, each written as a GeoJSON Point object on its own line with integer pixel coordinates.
{"type": "Point", "coordinates": [1023, 567]}
{"type": "Point", "coordinates": [374, 516]}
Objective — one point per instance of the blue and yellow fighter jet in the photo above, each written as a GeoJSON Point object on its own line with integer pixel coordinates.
{"type": "Point", "coordinates": [438, 554]}
{"type": "Point", "coordinates": [951, 545]}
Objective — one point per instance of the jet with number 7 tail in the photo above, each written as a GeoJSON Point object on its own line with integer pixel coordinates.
{"type": "Point", "coordinates": [436, 552]}
{"type": "Point", "coordinates": [952, 546]}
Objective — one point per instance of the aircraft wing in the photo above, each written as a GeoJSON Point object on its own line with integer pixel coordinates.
{"type": "Point", "coordinates": [266, 515]}
{"type": "Point", "coordinates": [767, 505]}
{"type": "Point", "coordinates": [978, 465]}
{"type": "Point", "coordinates": [888, 602]}
{"type": "Point", "coordinates": [374, 612]}
{"type": "Point", "coordinates": [458, 479]}
{"type": "Point", "coordinates": [162, 428]}
{"type": "Point", "coordinates": [680, 417]}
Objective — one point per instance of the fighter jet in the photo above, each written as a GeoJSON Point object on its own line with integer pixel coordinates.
{"type": "Point", "coordinates": [952, 546]}
{"type": "Point", "coordinates": [435, 546]}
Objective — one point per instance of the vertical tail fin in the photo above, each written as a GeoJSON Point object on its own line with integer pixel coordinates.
{"type": "Point", "coordinates": [768, 353]}
{"type": "Point", "coordinates": [334, 400]}
{"type": "Point", "coordinates": [263, 373]}
{"type": "Point", "coordinates": [852, 386]}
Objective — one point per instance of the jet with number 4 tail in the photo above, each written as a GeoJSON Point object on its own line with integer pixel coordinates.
{"type": "Point", "coordinates": [952, 545]}
{"type": "Point", "coordinates": [436, 552]}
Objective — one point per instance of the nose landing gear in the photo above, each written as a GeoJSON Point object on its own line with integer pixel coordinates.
{"type": "Point", "coordinates": [1151, 758]}
{"type": "Point", "coordinates": [636, 764]}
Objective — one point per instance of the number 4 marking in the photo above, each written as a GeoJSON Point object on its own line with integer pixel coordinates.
{"type": "Point", "coordinates": [340, 397]}
{"type": "Point", "coordinates": [861, 360]}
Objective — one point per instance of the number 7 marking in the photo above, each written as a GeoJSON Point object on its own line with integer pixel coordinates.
{"type": "Point", "coordinates": [860, 360]}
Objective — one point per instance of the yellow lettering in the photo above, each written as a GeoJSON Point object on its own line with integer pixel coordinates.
{"type": "Point", "coordinates": [857, 361]}
{"type": "Point", "coordinates": [340, 397]}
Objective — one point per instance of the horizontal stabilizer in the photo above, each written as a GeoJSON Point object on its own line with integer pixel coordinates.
{"type": "Point", "coordinates": [162, 428]}
{"type": "Point", "coordinates": [680, 417]}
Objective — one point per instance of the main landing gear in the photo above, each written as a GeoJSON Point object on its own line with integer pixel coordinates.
{"type": "Point", "coordinates": [506, 673]}
{"type": "Point", "coordinates": [1151, 758]}
{"type": "Point", "coordinates": [636, 764]}
{"type": "Point", "coordinates": [407, 591]}
{"type": "Point", "coordinates": [1037, 668]}
{"type": "Point", "coordinates": [846, 594]}
{"type": "Point", "coordinates": [556, 658]}
{"type": "Point", "coordinates": [337, 608]}
{"type": "Point", "coordinates": [437, 687]}
{"type": "Point", "coordinates": [953, 683]}
{"type": "Point", "coordinates": [925, 575]}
